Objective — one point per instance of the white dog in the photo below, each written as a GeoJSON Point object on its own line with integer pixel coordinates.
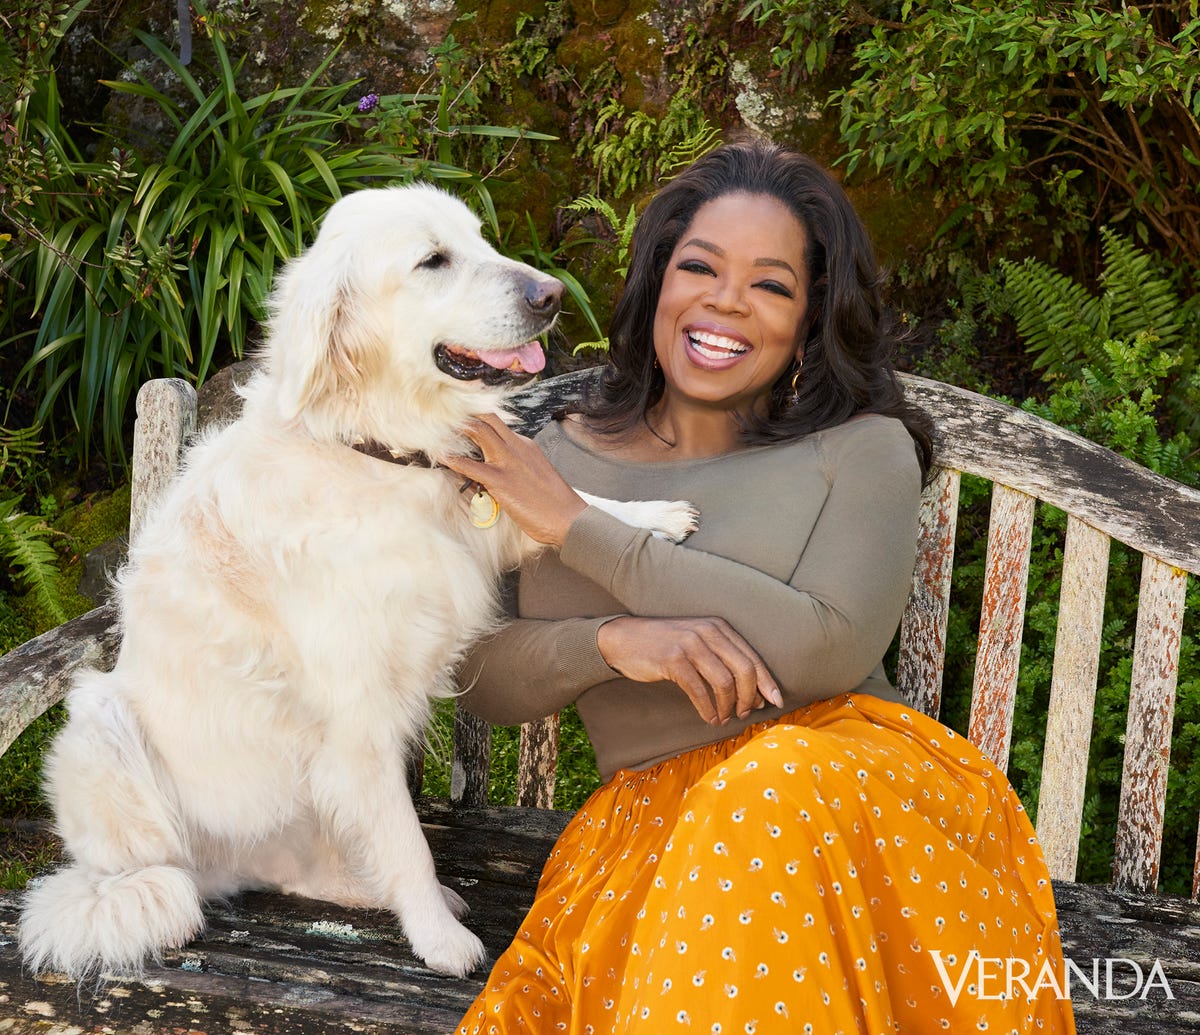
{"type": "Point", "coordinates": [293, 605]}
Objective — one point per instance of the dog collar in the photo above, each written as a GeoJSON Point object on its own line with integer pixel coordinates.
{"type": "Point", "coordinates": [483, 508]}
{"type": "Point", "coordinates": [381, 452]}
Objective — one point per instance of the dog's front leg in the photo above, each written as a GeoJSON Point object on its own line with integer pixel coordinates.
{"type": "Point", "coordinates": [360, 791]}
{"type": "Point", "coordinates": [667, 519]}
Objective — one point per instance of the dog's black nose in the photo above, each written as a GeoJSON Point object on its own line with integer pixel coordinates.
{"type": "Point", "coordinates": [544, 296]}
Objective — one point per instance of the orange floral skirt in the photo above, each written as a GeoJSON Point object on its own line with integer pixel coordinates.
{"type": "Point", "coordinates": [852, 867]}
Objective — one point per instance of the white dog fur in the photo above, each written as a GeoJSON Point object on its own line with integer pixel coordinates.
{"type": "Point", "coordinates": [291, 608]}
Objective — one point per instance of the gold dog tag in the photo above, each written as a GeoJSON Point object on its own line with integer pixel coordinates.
{"type": "Point", "coordinates": [485, 511]}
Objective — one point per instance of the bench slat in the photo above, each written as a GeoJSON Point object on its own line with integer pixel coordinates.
{"type": "Point", "coordinates": [922, 660]}
{"type": "Point", "coordinates": [1072, 696]}
{"type": "Point", "coordinates": [1156, 646]}
{"type": "Point", "coordinates": [166, 419]}
{"type": "Point", "coordinates": [537, 763]}
{"type": "Point", "coordinates": [1196, 870]}
{"type": "Point", "coordinates": [472, 752]}
{"type": "Point", "coordinates": [1001, 620]}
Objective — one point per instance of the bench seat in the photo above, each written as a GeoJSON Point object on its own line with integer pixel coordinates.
{"type": "Point", "coordinates": [275, 965]}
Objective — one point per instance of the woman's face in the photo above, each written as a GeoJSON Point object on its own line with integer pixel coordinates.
{"type": "Point", "coordinates": [731, 313]}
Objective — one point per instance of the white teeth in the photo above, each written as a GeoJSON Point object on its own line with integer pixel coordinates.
{"type": "Point", "coordinates": [719, 347]}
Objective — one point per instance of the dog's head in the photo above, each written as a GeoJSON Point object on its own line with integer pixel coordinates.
{"type": "Point", "coordinates": [401, 313]}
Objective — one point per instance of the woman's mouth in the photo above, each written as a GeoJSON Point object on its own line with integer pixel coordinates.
{"type": "Point", "coordinates": [713, 350]}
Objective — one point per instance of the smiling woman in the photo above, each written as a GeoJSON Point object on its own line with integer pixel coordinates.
{"type": "Point", "coordinates": [730, 320]}
{"type": "Point", "coordinates": [780, 839]}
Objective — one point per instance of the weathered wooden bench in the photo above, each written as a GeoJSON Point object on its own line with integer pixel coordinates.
{"type": "Point", "coordinates": [268, 963]}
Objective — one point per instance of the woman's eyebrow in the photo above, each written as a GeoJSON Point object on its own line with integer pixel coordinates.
{"type": "Point", "coordinates": [777, 263]}
{"type": "Point", "coordinates": [717, 250]}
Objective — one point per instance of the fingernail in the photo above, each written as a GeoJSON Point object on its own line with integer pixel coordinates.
{"type": "Point", "coordinates": [773, 695]}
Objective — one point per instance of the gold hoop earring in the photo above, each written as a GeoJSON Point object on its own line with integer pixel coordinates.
{"type": "Point", "coordinates": [796, 381]}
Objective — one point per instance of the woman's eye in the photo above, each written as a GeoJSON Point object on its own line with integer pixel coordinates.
{"type": "Point", "coordinates": [776, 288]}
{"type": "Point", "coordinates": [695, 266]}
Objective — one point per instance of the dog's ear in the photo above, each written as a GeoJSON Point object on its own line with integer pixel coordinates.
{"type": "Point", "coordinates": [325, 334]}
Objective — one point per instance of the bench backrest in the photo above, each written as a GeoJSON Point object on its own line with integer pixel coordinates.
{"type": "Point", "coordinates": [1026, 459]}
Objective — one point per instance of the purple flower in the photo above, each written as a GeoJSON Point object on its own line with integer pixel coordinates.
{"type": "Point", "coordinates": [368, 103]}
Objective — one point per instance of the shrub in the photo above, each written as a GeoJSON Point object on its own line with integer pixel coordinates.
{"type": "Point", "coordinates": [136, 267]}
{"type": "Point", "coordinates": [1051, 110]}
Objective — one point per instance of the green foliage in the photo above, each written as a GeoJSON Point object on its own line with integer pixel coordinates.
{"type": "Point", "coordinates": [21, 766]}
{"type": "Point", "coordinates": [622, 229]}
{"type": "Point", "coordinates": [1091, 110]}
{"type": "Point", "coordinates": [809, 35]}
{"type": "Point", "coordinates": [531, 50]}
{"type": "Point", "coordinates": [19, 450]}
{"type": "Point", "coordinates": [32, 32]}
{"type": "Point", "coordinates": [447, 149]}
{"type": "Point", "coordinates": [1062, 322]}
{"type": "Point", "coordinates": [26, 550]}
{"type": "Point", "coordinates": [622, 232]}
{"type": "Point", "coordinates": [147, 268]}
{"type": "Point", "coordinates": [1130, 346]}
{"type": "Point", "coordinates": [138, 266]}
{"type": "Point", "coordinates": [629, 150]}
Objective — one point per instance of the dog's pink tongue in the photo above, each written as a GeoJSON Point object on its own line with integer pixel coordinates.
{"type": "Point", "coordinates": [529, 357]}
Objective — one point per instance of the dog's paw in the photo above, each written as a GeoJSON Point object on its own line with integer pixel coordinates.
{"type": "Point", "coordinates": [455, 902]}
{"type": "Point", "coordinates": [449, 949]}
{"type": "Point", "coordinates": [666, 519]}
{"type": "Point", "coordinates": [672, 519]}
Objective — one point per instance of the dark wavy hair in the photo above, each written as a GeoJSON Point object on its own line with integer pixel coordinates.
{"type": "Point", "coordinates": [847, 353]}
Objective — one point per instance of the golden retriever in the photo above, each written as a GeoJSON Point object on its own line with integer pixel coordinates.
{"type": "Point", "coordinates": [295, 603]}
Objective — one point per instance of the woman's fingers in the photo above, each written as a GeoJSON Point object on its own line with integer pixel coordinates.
{"type": "Point", "coordinates": [753, 680]}
{"type": "Point", "coordinates": [722, 668]}
{"type": "Point", "coordinates": [720, 672]}
{"type": "Point", "coordinates": [518, 476]}
{"type": "Point", "coordinates": [701, 668]}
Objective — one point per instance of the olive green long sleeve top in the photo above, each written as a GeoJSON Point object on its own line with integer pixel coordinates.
{"type": "Point", "coordinates": [806, 548]}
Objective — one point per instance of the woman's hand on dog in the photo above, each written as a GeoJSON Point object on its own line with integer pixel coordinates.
{"type": "Point", "coordinates": [705, 657]}
{"type": "Point", "coordinates": [519, 477]}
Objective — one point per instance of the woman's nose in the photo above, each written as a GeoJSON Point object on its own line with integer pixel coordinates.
{"type": "Point", "coordinates": [727, 295]}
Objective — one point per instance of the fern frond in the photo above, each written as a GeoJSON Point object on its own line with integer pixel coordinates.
{"type": "Point", "coordinates": [588, 203]}
{"type": "Point", "coordinates": [625, 233]}
{"type": "Point", "coordinates": [1053, 315]}
{"type": "Point", "coordinates": [622, 228]}
{"type": "Point", "coordinates": [17, 451]}
{"type": "Point", "coordinates": [1142, 299]}
{"type": "Point", "coordinates": [694, 145]}
{"type": "Point", "coordinates": [25, 547]}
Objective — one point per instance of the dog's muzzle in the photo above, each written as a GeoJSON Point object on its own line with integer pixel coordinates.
{"type": "Point", "coordinates": [542, 300]}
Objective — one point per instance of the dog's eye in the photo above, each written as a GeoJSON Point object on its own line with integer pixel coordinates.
{"type": "Point", "coordinates": [434, 261]}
